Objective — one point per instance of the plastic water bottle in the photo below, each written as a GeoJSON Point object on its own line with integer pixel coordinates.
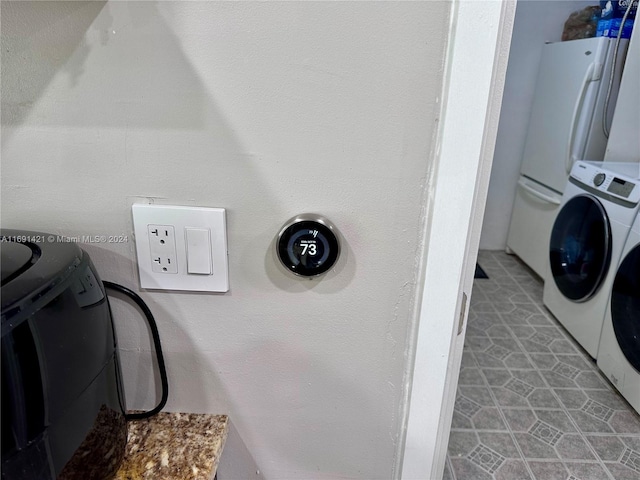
{"type": "Point", "coordinates": [612, 12]}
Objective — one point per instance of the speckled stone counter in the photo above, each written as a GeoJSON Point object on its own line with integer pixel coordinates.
{"type": "Point", "coordinates": [174, 446]}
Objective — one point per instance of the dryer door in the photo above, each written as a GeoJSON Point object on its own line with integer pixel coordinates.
{"type": "Point", "coordinates": [625, 307]}
{"type": "Point", "coordinates": [580, 248]}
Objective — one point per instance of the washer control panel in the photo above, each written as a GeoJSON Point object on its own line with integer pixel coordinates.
{"type": "Point", "coordinates": [599, 179]}
{"type": "Point", "coordinates": [597, 176]}
{"type": "Point", "coordinates": [621, 187]}
{"type": "Point", "coordinates": [308, 245]}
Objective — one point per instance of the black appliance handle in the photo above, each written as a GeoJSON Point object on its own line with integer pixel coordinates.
{"type": "Point", "coordinates": [156, 342]}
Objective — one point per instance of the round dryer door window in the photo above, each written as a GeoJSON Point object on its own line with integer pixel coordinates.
{"type": "Point", "coordinates": [580, 248]}
{"type": "Point", "coordinates": [625, 307]}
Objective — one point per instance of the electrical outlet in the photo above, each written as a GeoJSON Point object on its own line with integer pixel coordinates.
{"type": "Point", "coordinates": [181, 248]}
{"type": "Point", "coordinates": [162, 246]}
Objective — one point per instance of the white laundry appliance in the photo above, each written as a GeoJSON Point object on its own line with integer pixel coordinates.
{"type": "Point", "coordinates": [566, 124]}
{"type": "Point", "coordinates": [599, 205]}
{"type": "Point", "coordinates": [619, 349]}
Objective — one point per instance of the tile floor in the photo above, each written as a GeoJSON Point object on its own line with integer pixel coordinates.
{"type": "Point", "coordinates": [531, 404]}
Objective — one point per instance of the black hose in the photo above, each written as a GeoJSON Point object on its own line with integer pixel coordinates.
{"type": "Point", "coordinates": [156, 342]}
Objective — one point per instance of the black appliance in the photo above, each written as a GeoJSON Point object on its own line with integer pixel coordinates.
{"type": "Point", "coordinates": [63, 410]}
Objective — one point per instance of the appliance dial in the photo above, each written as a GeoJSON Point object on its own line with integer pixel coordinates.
{"type": "Point", "coordinates": [599, 179]}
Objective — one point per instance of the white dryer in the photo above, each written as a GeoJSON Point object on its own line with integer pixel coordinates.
{"type": "Point", "coordinates": [619, 349]}
{"type": "Point", "coordinates": [599, 205]}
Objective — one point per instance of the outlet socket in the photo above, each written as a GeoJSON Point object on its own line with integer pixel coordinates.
{"type": "Point", "coordinates": [181, 248]}
{"type": "Point", "coordinates": [162, 246]}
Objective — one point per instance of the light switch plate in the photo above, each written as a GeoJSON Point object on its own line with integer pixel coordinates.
{"type": "Point", "coordinates": [181, 219]}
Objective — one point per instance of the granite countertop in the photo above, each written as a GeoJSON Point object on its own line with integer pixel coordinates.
{"type": "Point", "coordinates": [168, 446]}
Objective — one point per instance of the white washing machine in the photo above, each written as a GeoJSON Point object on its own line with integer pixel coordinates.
{"type": "Point", "coordinates": [599, 205]}
{"type": "Point", "coordinates": [619, 349]}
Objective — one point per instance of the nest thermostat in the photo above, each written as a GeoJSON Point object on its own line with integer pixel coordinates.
{"type": "Point", "coordinates": [308, 245]}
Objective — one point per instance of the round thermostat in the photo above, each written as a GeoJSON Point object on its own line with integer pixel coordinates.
{"type": "Point", "coordinates": [308, 245]}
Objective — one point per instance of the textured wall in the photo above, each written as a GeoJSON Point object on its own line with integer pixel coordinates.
{"type": "Point", "coordinates": [269, 110]}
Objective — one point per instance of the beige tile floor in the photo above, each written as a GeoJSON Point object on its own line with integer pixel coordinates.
{"type": "Point", "coordinates": [531, 404]}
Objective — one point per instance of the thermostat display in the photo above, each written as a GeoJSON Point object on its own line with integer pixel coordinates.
{"type": "Point", "coordinates": [308, 245]}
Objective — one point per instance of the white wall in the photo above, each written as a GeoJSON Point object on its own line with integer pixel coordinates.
{"type": "Point", "coordinates": [478, 52]}
{"type": "Point", "coordinates": [269, 110]}
{"type": "Point", "coordinates": [536, 22]}
{"type": "Point", "coordinates": [624, 141]}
